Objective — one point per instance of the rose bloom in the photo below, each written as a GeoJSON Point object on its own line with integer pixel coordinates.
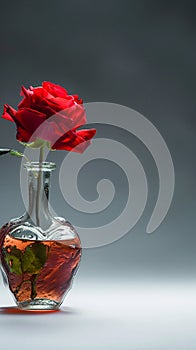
{"type": "Point", "coordinates": [49, 113]}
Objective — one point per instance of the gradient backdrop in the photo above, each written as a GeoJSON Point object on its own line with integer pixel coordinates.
{"type": "Point", "coordinates": [140, 54]}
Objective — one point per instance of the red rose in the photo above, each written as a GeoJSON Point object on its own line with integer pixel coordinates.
{"type": "Point", "coordinates": [50, 114]}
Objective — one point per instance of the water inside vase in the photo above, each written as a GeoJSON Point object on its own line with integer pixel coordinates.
{"type": "Point", "coordinates": [39, 269]}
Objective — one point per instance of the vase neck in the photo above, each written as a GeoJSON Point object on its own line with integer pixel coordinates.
{"type": "Point", "coordinates": [38, 191]}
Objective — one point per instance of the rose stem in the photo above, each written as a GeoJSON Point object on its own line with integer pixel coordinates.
{"type": "Point", "coordinates": [33, 287]}
{"type": "Point", "coordinates": [41, 157]}
{"type": "Point", "coordinates": [27, 159]}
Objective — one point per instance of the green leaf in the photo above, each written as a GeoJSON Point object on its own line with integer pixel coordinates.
{"type": "Point", "coordinates": [14, 264]}
{"type": "Point", "coordinates": [16, 252]}
{"type": "Point", "coordinates": [34, 258]}
{"type": "Point", "coordinates": [13, 260]}
{"type": "Point", "coordinates": [13, 152]}
{"type": "Point", "coordinates": [41, 251]}
{"type": "Point", "coordinates": [31, 261]}
{"type": "Point", "coordinates": [28, 258]}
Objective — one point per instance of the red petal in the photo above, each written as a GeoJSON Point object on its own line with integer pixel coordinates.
{"type": "Point", "coordinates": [41, 97]}
{"type": "Point", "coordinates": [76, 114]}
{"type": "Point", "coordinates": [41, 92]}
{"type": "Point", "coordinates": [33, 97]}
{"type": "Point", "coordinates": [51, 130]}
{"type": "Point", "coordinates": [86, 134]}
{"type": "Point", "coordinates": [25, 92]}
{"type": "Point", "coordinates": [75, 141]}
{"type": "Point", "coordinates": [29, 119]}
{"type": "Point", "coordinates": [23, 135]}
{"type": "Point", "coordinates": [62, 103]}
{"type": "Point", "coordinates": [77, 99]}
{"type": "Point", "coordinates": [55, 90]}
{"type": "Point", "coordinates": [8, 113]}
{"type": "Point", "coordinates": [26, 102]}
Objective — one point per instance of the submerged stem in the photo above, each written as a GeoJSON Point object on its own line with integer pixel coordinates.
{"type": "Point", "coordinates": [33, 287]}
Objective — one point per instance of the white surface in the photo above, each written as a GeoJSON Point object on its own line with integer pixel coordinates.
{"type": "Point", "coordinates": [102, 315]}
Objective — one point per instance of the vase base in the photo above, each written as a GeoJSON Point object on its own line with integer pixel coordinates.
{"type": "Point", "coordinates": [39, 304]}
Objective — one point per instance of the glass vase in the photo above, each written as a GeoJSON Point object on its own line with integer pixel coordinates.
{"type": "Point", "coordinates": [39, 253]}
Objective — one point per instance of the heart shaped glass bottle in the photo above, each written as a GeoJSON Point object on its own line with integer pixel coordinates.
{"type": "Point", "coordinates": [39, 253]}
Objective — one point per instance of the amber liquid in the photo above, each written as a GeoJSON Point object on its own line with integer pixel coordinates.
{"type": "Point", "coordinates": [53, 279]}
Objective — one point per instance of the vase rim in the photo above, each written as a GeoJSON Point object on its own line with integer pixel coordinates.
{"type": "Point", "coordinates": [40, 166]}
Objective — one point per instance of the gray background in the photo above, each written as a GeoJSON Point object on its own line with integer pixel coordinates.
{"type": "Point", "coordinates": [140, 54]}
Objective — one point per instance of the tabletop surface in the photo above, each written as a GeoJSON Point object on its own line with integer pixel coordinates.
{"type": "Point", "coordinates": [102, 315]}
